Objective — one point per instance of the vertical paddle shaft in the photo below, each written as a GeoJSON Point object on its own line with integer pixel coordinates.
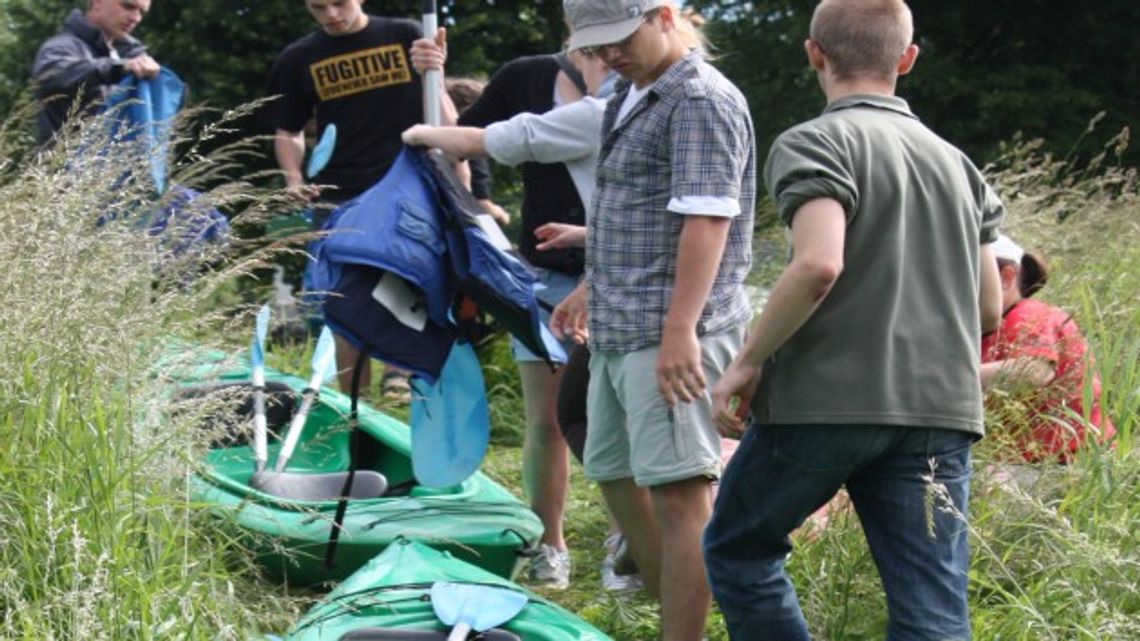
{"type": "Point", "coordinates": [295, 429]}
{"type": "Point", "coordinates": [257, 380]}
{"type": "Point", "coordinates": [260, 428]}
{"type": "Point", "coordinates": [432, 84]}
{"type": "Point", "coordinates": [324, 366]}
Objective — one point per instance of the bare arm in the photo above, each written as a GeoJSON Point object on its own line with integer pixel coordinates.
{"type": "Point", "coordinates": [289, 147]}
{"type": "Point", "coordinates": [989, 290]}
{"type": "Point", "coordinates": [818, 236]}
{"type": "Point", "coordinates": [460, 142]}
{"type": "Point", "coordinates": [699, 251]}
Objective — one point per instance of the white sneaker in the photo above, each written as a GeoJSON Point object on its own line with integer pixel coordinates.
{"type": "Point", "coordinates": [550, 568]}
{"type": "Point", "coordinates": [610, 580]}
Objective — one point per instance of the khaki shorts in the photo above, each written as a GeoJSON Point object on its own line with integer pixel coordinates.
{"type": "Point", "coordinates": [634, 434]}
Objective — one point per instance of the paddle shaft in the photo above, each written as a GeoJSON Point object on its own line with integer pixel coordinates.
{"type": "Point", "coordinates": [459, 632]}
{"type": "Point", "coordinates": [260, 428]}
{"type": "Point", "coordinates": [295, 429]}
{"type": "Point", "coordinates": [432, 84]}
{"type": "Point", "coordinates": [257, 379]}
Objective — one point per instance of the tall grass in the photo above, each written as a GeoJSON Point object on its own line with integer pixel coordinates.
{"type": "Point", "coordinates": [97, 538]}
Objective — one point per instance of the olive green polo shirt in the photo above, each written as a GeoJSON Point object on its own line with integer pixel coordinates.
{"type": "Point", "coordinates": [897, 339]}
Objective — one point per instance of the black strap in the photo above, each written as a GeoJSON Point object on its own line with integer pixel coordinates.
{"type": "Point", "coordinates": [571, 72]}
{"type": "Point", "coordinates": [353, 456]}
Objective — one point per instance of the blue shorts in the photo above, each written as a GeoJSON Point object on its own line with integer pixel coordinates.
{"type": "Point", "coordinates": [553, 287]}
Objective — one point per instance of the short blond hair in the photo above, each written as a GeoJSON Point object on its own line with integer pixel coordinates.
{"type": "Point", "coordinates": [863, 37]}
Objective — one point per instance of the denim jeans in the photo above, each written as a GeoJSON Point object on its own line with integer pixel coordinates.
{"type": "Point", "coordinates": [782, 474]}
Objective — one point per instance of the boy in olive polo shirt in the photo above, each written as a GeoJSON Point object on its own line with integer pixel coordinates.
{"type": "Point", "coordinates": [863, 369]}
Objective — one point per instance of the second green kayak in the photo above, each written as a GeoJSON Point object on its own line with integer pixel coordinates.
{"type": "Point", "coordinates": [390, 599]}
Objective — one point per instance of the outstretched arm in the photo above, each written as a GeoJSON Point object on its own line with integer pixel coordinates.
{"type": "Point", "coordinates": [460, 142]}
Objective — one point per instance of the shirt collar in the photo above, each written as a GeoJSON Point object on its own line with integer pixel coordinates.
{"type": "Point", "coordinates": [677, 74]}
{"type": "Point", "coordinates": [874, 101]}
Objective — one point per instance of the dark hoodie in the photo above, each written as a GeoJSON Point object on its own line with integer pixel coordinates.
{"type": "Point", "coordinates": [77, 62]}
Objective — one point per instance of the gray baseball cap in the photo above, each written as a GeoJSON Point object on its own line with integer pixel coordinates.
{"type": "Point", "coordinates": [603, 22]}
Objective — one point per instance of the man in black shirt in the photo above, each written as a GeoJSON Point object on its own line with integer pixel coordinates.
{"type": "Point", "coordinates": [362, 74]}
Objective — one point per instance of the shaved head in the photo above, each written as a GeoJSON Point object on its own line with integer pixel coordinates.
{"type": "Point", "coordinates": [863, 38]}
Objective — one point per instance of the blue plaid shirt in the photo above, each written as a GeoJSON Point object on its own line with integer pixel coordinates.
{"type": "Point", "coordinates": [690, 135]}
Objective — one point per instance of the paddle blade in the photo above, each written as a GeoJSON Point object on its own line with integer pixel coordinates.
{"type": "Point", "coordinates": [324, 359]}
{"type": "Point", "coordinates": [481, 607]}
{"type": "Point", "coordinates": [450, 427]}
{"type": "Point", "coordinates": [322, 152]}
{"type": "Point", "coordinates": [260, 331]}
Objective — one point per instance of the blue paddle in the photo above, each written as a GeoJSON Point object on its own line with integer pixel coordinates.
{"type": "Point", "coordinates": [257, 380]}
{"type": "Point", "coordinates": [469, 606]}
{"type": "Point", "coordinates": [450, 427]}
{"type": "Point", "coordinates": [324, 366]}
{"type": "Point", "coordinates": [322, 152]}
{"type": "Point", "coordinates": [307, 486]}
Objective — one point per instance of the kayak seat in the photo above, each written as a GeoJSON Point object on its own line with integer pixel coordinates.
{"type": "Point", "coordinates": [302, 486]}
{"type": "Point", "coordinates": [235, 414]}
{"type": "Point", "coordinates": [392, 634]}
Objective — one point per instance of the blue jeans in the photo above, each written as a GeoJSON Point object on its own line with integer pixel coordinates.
{"type": "Point", "coordinates": [780, 475]}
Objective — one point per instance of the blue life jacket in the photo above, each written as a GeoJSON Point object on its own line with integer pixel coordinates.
{"type": "Point", "coordinates": [498, 282]}
{"type": "Point", "coordinates": [418, 223]}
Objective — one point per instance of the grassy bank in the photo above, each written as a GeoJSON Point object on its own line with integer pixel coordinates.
{"type": "Point", "coordinates": [99, 541]}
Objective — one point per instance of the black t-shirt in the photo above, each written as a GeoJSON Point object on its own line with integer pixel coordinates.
{"type": "Point", "coordinates": [526, 85]}
{"type": "Point", "coordinates": [364, 83]}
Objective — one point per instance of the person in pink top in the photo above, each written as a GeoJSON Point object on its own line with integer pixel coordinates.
{"type": "Point", "coordinates": [1040, 358]}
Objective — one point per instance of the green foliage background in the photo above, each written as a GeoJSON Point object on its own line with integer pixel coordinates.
{"type": "Point", "coordinates": [986, 71]}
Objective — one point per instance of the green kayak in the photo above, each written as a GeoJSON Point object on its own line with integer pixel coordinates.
{"type": "Point", "coordinates": [478, 521]}
{"type": "Point", "coordinates": [389, 599]}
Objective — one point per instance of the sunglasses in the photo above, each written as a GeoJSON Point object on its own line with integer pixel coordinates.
{"type": "Point", "coordinates": [597, 50]}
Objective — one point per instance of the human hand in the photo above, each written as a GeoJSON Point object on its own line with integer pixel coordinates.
{"type": "Point", "coordinates": [415, 134]}
{"type": "Point", "coordinates": [560, 236]}
{"type": "Point", "coordinates": [428, 53]}
{"type": "Point", "coordinates": [141, 66]}
{"type": "Point", "coordinates": [302, 193]}
{"type": "Point", "coordinates": [569, 318]}
{"type": "Point", "coordinates": [680, 376]}
{"type": "Point", "coordinates": [732, 396]}
{"type": "Point", "coordinates": [501, 216]}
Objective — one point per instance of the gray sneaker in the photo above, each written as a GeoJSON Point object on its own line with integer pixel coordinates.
{"type": "Point", "coordinates": [611, 580]}
{"type": "Point", "coordinates": [550, 568]}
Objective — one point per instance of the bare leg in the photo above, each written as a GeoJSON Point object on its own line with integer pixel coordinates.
{"type": "Point", "coordinates": [634, 512]}
{"type": "Point", "coordinates": [546, 458]}
{"type": "Point", "coordinates": [346, 356]}
{"type": "Point", "coordinates": [682, 510]}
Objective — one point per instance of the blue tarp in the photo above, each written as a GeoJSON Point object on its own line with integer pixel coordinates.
{"type": "Point", "coordinates": [144, 110]}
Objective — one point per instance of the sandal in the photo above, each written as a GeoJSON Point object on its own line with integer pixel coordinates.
{"type": "Point", "coordinates": [394, 386]}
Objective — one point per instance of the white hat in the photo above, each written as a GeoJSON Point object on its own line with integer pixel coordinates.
{"type": "Point", "coordinates": [603, 22]}
{"type": "Point", "coordinates": [1005, 249]}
